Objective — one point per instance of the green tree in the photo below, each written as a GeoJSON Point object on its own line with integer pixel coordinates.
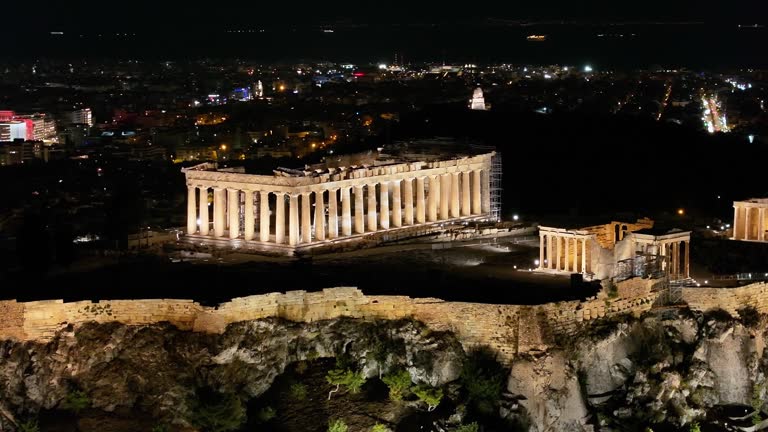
{"type": "Point", "coordinates": [430, 395]}
{"type": "Point", "coordinates": [337, 425]}
{"type": "Point", "coordinates": [219, 413]}
{"type": "Point", "coordinates": [694, 427]}
{"type": "Point", "coordinates": [353, 381]}
{"type": "Point", "coordinates": [76, 401]}
{"type": "Point", "coordinates": [378, 427]}
{"type": "Point", "coordinates": [398, 382]}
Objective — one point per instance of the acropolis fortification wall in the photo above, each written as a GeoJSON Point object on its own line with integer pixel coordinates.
{"type": "Point", "coordinates": [509, 329]}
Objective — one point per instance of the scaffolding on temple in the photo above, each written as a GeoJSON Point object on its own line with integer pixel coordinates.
{"type": "Point", "coordinates": [494, 180]}
{"type": "Point", "coordinates": [496, 187]}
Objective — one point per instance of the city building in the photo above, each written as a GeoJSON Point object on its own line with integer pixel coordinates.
{"type": "Point", "coordinates": [20, 151]}
{"type": "Point", "coordinates": [749, 219]}
{"type": "Point", "coordinates": [299, 208]}
{"type": "Point", "coordinates": [81, 116]}
{"type": "Point", "coordinates": [40, 127]}
{"type": "Point", "coordinates": [478, 100]}
{"type": "Point", "coordinates": [11, 130]}
{"type": "Point", "coordinates": [615, 250]}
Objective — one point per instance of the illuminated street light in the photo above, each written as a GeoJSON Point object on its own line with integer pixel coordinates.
{"type": "Point", "coordinates": [515, 217]}
{"type": "Point", "coordinates": [587, 68]}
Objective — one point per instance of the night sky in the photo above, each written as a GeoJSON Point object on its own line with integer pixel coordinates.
{"type": "Point", "coordinates": [174, 14]}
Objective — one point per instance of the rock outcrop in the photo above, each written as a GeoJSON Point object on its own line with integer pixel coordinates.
{"type": "Point", "coordinates": [673, 367]}
{"type": "Point", "coordinates": [157, 368]}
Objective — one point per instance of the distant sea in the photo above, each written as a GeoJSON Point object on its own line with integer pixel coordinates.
{"type": "Point", "coordinates": [693, 45]}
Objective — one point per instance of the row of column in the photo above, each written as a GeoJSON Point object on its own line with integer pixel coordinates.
{"type": "Point", "coordinates": [413, 201]}
{"type": "Point", "coordinates": [678, 254]}
{"type": "Point", "coordinates": [749, 223]}
{"type": "Point", "coordinates": [563, 253]}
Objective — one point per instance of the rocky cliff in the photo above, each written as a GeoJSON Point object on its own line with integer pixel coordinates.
{"type": "Point", "coordinates": [668, 368]}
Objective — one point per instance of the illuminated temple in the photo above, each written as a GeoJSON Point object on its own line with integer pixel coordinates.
{"type": "Point", "coordinates": [294, 208]}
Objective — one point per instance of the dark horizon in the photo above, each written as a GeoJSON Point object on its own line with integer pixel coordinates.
{"type": "Point", "coordinates": [628, 46]}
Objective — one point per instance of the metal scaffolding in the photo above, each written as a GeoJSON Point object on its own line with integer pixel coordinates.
{"type": "Point", "coordinates": [496, 187]}
{"type": "Point", "coordinates": [494, 180]}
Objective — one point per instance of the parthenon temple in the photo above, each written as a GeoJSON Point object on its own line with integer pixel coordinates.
{"type": "Point", "coordinates": [615, 249]}
{"type": "Point", "coordinates": [749, 219]}
{"type": "Point", "coordinates": [303, 207]}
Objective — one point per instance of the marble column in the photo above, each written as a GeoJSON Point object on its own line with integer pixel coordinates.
{"type": "Point", "coordinates": [558, 253]}
{"type": "Point", "coordinates": [735, 222]}
{"type": "Point", "coordinates": [434, 186]}
{"type": "Point", "coordinates": [566, 254]}
{"type": "Point", "coordinates": [421, 216]}
{"type": "Point", "coordinates": [264, 216]}
{"type": "Point", "coordinates": [384, 205]}
{"type": "Point", "coordinates": [280, 218]}
{"type": "Point", "coordinates": [747, 226]}
{"type": "Point", "coordinates": [219, 212]}
{"type": "Point", "coordinates": [359, 209]}
{"type": "Point", "coordinates": [550, 255]}
{"type": "Point", "coordinates": [541, 250]}
{"type": "Point", "coordinates": [485, 200]}
{"type": "Point", "coordinates": [234, 213]}
{"type": "Point", "coordinates": [675, 259]}
{"type": "Point", "coordinates": [445, 196]}
{"type": "Point", "coordinates": [476, 190]}
{"type": "Point", "coordinates": [408, 195]}
{"type": "Point", "coordinates": [584, 256]}
{"type": "Point", "coordinates": [455, 202]}
{"type": "Point", "coordinates": [293, 220]}
{"type": "Point", "coordinates": [205, 227]}
{"type": "Point", "coordinates": [372, 223]}
{"type": "Point", "coordinates": [575, 255]}
{"type": "Point", "coordinates": [249, 220]}
{"type": "Point", "coordinates": [333, 213]}
{"type": "Point", "coordinates": [466, 202]}
{"type": "Point", "coordinates": [306, 218]}
{"type": "Point", "coordinates": [319, 216]}
{"type": "Point", "coordinates": [191, 209]}
{"type": "Point", "coordinates": [761, 224]}
{"type": "Point", "coordinates": [397, 206]}
{"type": "Point", "coordinates": [346, 210]}
{"type": "Point", "coordinates": [687, 259]}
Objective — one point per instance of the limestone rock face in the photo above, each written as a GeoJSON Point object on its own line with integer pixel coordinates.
{"type": "Point", "coordinates": [671, 367]}
{"type": "Point", "coordinates": [158, 368]}
{"type": "Point", "coordinates": [548, 390]}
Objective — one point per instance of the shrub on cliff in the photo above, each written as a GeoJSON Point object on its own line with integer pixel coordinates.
{"type": "Point", "coordinates": [484, 379]}
{"type": "Point", "coordinates": [219, 413]}
{"type": "Point", "coordinates": [471, 427]}
{"type": "Point", "coordinates": [378, 427]}
{"type": "Point", "coordinates": [337, 425]}
{"type": "Point", "coordinates": [265, 414]}
{"type": "Point", "coordinates": [351, 380]}
{"type": "Point", "coordinates": [398, 382]}
{"type": "Point", "coordinates": [749, 316]}
{"type": "Point", "coordinates": [429, 395]}
{"type": "Point", "coordinates": [161, 427]}
{"type": "Point", "coordinates": [28, 426]}
{"type": "Point", "coordinates": [76, 401]}
{"type": "Point", "coordinates": [298, 391]}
